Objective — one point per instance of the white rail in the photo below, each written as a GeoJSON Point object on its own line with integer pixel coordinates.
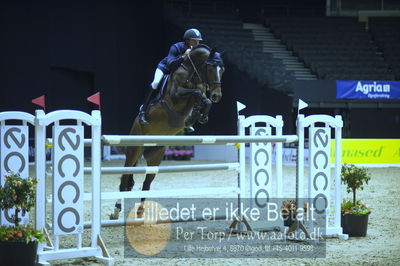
{"type": "Point", "coordinates": [164, 193]}
{"type": "Point", "coordinates": [165, 169]}
{"type": "Point", "coordinates": [159, 140]}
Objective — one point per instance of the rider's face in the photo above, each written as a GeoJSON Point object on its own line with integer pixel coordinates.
{"type": "Point", "coordinates": [193, 42]}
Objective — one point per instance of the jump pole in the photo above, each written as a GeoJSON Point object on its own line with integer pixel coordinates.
{"type": "Point", "coordinates": [165, 169]}
{"type": "Point", "coordinates": [160, 140]}
{"type": "Point", "coordinates": [115, 223]}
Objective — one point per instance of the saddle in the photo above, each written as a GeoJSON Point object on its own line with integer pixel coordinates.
{"type": "Point", "coordinates": [160, 88]}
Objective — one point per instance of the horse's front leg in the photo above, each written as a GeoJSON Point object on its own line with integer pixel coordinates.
{"type": "Point", "coordinates": [182, 92]}
{"type": "Point", "coordinates": [199, 113]}
{"type": "Point", "coordinates": [205, 107]}
{"type": "Point", "coordinates": [193, 117]}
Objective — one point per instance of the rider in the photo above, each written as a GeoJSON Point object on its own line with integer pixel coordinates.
{"type": "Point", "coordinates": [174, 59]}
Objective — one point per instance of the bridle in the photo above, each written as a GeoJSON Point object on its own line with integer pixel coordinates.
{"type": "Point", "coordinates": [217, 81]}
{"type": "Point", "coordinates": [207, 83]}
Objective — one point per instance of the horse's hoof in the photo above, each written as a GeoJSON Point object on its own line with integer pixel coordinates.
{"type": "Point", "coordinates": [140, 212]}
{"type": "Point", "coordinates": [117, 210]}
{"type": "Point", "coordinates": [143, 121]}
{"type": "Point", "coordinates": [190, 129]}
{"type": "Point", "coordinates": [114, 216]}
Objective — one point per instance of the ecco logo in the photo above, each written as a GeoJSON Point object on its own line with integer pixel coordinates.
{"type": "Point", "coordinates": [68, 167]}
{"type": "Point", "coordinates": [19, 142]}
{"type": "Point", "coordinates": [262, 158]}
{"type": "Point", "coordinates": [14, 150]}
{"type": "Point", "coordinates": [320, 162]}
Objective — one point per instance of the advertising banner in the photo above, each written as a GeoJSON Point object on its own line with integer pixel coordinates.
{"type": "Point", "coordinates": [367, 89]}
{"type": "Point", "coordinates": [369, 151]}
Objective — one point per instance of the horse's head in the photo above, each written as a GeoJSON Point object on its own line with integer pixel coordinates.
{"type": "Point", "coordinates": [215, 69]}
{"type": "Point", "coordinates": [202, 55]}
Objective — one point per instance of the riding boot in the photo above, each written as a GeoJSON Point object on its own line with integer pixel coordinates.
{"type": "Point", "coordinates": [144, 108]}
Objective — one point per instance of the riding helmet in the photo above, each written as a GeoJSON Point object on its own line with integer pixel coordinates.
{"type": "Point", "coordinates": [192, 34]}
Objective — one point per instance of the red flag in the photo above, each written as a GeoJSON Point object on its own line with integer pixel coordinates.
{"type": "Point", "coordinates": [41, 101]}
{"type": "Point", "coordinates": [95, 98]}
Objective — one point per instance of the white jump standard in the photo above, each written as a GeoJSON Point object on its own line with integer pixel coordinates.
{"type": "Point", "coordinates": [68, 154]}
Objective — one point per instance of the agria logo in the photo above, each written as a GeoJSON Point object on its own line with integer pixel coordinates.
{"type": "Point", "coordinates": [372, 87]}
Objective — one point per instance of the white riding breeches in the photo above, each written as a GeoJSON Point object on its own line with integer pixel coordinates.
{"type": "Point", "coordinates": [157, 77]}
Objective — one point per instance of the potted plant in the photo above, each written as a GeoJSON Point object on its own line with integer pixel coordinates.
{"type": "Point", "coordinates": [354, 212]}
{"type": "Point", "coordinates": [18, 243]}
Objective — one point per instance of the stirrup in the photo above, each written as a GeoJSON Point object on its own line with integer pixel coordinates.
{"type": "Point", "coordinates": [142, 118]}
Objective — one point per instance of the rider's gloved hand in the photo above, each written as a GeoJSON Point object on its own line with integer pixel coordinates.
{"type": "Point", "coordinates": [186, 52]}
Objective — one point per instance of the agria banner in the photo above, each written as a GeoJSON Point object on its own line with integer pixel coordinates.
{"type": "Point", "coordinates": [367, 89]}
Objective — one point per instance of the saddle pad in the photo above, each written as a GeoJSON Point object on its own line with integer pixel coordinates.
{"type": "Point", "coordinates": [163, 83]}
{"type": "Point", "coordinates": [160, 88]}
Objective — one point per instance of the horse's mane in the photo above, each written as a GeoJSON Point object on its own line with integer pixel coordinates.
{"type": "Point", "coordinates": [215, 59]}
{"type": "Point", "coordinates": [199, 54]}
{"type": "Point", "coordinates": [200, 45]}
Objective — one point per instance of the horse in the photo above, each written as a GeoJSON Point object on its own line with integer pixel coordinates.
{"type": "Point", "coordinates": [187, 97]}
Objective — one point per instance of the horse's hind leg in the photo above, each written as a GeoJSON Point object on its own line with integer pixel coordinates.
{"type": "Point", "coordinates": [153, 156]}
{"type": "Point", "coordinates": [132, 156]}
{"type": "Point", "coordinates": [127, 182]}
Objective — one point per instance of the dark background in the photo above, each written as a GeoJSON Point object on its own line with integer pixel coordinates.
{"type": "Point", "coordinates": [69, 50]}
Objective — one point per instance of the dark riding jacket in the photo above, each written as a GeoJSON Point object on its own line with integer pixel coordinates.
{"type": "Point", "coordinates": [174, 58]}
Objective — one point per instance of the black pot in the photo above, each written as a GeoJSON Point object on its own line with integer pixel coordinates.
{"type": "Point", "coordinates": [18, 253]}
{"type": "Point", "coordinates": [355, 225]}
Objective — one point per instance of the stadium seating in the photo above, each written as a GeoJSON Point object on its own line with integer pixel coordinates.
{"type": "Point", "coordinates": [386, 34]}
{"type": "Point", "coordinates": [333, 47]}
{"type": "Point", "coordinates": [226, 33]}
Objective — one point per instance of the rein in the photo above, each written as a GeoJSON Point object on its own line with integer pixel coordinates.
{"type": "Point", "coordinates": [194, 67]}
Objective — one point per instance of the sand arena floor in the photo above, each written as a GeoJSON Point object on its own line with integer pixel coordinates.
{"type": "Point", "coordinates": [380, 247]}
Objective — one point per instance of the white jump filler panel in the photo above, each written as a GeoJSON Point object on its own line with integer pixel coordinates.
{"type": "Point", "coordinates": [261, 168]}
{"type": "Point", "coordinates": [320, 170]}
{"type": "Point", "coordinates": [14, 157]}
{"type": "Point", "coordinates": [265, 184]}
{"type": "Point", "coordinates": [68, 176]}
{"type": "Point", "coordinates": [14, 153]}
{"type": "Point", "coordinates": [324, 189]}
